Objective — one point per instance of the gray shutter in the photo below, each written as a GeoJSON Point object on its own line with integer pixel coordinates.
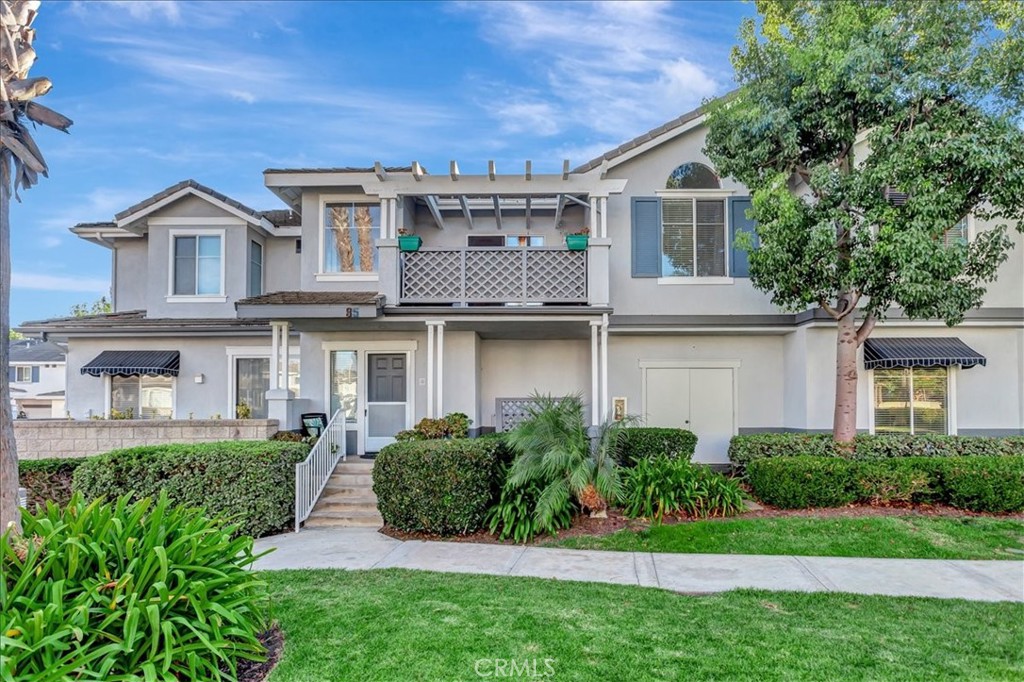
{"type": "Point", "coordinates": [739, 222]}
{"type": "Point", "coordinates": [11, 375]}
{"type": "Point", "coordinates": [35, 375]}
{"type": "Point", "coordinates": [646, 216]}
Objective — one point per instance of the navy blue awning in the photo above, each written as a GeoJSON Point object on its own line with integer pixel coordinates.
{"type": "Point", "coordinates": [918, 352]}
{"type": "Point", "coordinates": [128, 363]}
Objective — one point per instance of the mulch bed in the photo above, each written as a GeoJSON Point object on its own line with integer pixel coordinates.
{"type": "Point", "coordinates": [584, 526]}
{"type": "Point", "coordinates": [257, 671]}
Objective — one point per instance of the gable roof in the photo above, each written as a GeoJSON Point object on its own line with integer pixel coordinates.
{"type": "Point", "coordinates": [178, 187]}
{"type": "Point", "coordinates": [649, 136]}
{"type": "Point", "coordinates": [34, 350]}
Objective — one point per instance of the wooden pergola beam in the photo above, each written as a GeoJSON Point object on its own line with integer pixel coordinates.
{"type": "Point", "coordinates": [529, 170]}
{"type": "Point", "coordinates": [576, 200]}
{"type": "Point", "coordinates": [497, 209]}
{"type": "Point", "coordinates": [434, 210]}
{"type": "Point", "coordinates": [529, 207]}
{"type": "Point", "coordinates": [417, 171]}
{"type": "Point", "coordinates": [491, 171]}
{"type": "Point", "coordinates": [453, 169]}
{"type": "Point", "coordinates": [378, 169]}
{"type": "Point", "coordinates": [558, 210]}
{"type": "Point", "coordinates": [565, 169]}
{"type": "Point", "coordinates": [465, 209]}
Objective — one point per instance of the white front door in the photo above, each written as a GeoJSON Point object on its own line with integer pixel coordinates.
{"type": "Point", "coordinates": [700, 399]}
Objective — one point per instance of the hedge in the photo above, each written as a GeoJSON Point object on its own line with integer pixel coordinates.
{"type": "Point", "coordinates": [745, 449]}
{"type": "Point", "coordinates": [646, 442]}
{"type": "Point", "coordinates": [438, 486]}
{"type": "Point", "coordinates": [250, 482]}
{"type": "Point", "coordinates": [47, 480]}
{"type": "Point", "coordinates": [984, 484]}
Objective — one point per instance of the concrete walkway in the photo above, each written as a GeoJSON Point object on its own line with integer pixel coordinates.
{"type": "Point", "coordinates": [359, 548]}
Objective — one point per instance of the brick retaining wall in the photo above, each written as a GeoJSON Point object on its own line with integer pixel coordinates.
{"type": "Point", "coordinates": [42, 438]}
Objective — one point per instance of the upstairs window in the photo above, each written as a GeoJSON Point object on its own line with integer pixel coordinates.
{"type": "Point", "coordinates": [692, 237]}
{"type": "Point", "coordinates": [23, 374]}
{"type": "Point", "coordinates": [956, 234]}
{"type": "Point", "coordinates": [255, 268]}
{"type": "Point", "coordinates": [198, 265]}
{"type": "Point", "coordinates": [350, 238]}
{"type": "Point", "coordinates": [693, 175]}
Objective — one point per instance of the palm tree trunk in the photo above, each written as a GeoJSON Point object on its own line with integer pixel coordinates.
{"type": "Point", "coordinates": [8, 448]}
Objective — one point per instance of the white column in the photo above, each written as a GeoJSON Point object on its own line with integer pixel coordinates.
{"type": "Point", "coordinates": [430, 370]}
{"type": "Point", "coordinates": [275, 356]}
{"type": "Point", "coordinates": [595, 379]}
{"type": "Point", "coordinates": [604, 367]}
{"type": "Point", "coordinates": [285, 332]}
{"type": "Point", "coordinates": [440, 369]}
{"type": "Point", "coordinates": [604, 217]}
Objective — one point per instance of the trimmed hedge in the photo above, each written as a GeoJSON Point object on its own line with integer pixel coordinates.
{"type": "Point", "coordinates": [645, 442]}
{"type": "Point", "coordinates": [985, 484]}
{"type": "Point", "coordinates": [48, 480]}
{"type": "Point", "coordinates": [745, 449]}
{"type": "Point", "coordinates": [250, 482]}
{"type": "Point", "coordinates": [438, 486]}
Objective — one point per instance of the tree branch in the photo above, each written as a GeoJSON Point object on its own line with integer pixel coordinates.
{"type": "Point", "coordinates": [865, 329]}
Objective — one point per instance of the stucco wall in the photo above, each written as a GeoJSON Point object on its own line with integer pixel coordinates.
{"type": "Point", "coordinates": [131, 283]}
{"type": "Point", "coordinates": [40, 439]}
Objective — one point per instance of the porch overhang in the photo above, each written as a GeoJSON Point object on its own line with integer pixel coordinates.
{"type": "Point", "coordinates": [305, 305]}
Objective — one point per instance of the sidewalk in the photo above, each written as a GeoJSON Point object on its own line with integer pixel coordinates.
{"type": "Point", "coordinates": [358, 548]}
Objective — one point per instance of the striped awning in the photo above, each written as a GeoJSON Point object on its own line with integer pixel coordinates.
{"type": "Point", "coordinates": [918, 352]}
{"type": "Point", "coordinates": [128, 363]}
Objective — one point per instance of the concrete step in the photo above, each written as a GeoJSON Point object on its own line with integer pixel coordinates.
{"type": "Point", "coordinates": [345, 507]}
{"type": "Point", "coordinates": [344, 489]}
{"type": "Point", "coordinates": [350, 480]}
{"type": "Point", "coordinates": [355, 496]}
{"type": "Point", "coordinates": [354, 466]}
{"type": "Point", "coordinates": [351, 519]}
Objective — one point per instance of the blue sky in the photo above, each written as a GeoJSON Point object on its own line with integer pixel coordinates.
{"type": "Point", "coordinates": [219, 91]}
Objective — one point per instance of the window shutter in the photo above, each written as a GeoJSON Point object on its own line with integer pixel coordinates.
{"type": "Point", "coordinates": [12, 375]}
{"type": "Point", "coordinates": [739, 222]}
{"type": "Point", "coordinates": [646, 239]}
{"type": "Point", "coordinates": [35, 375]}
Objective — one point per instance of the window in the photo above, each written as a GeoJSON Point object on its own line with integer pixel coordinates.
{"type": "Point", "coordinates": [911, 400]}
{"type": "Point", "coordinates": [344, 375]}
{"type": "Point", "coordinates": [255, 268]}
{"type": "Point", "coordinates": [252, 381]}
{"type": "Point", "coordinates": [197, 265]}
{"type": "Point", "coordinates": [350, 238]}
{"type": "Point", "coordinates": [507, 240]}
{"type": "Point", "coordinates": [23, 374]}
{"type": "Point", "coordinates": [956, 234]}
{"type": "Point", "coordinates": [144, 397]}
{"type": "Point", "coordinates": [692, 237]}
{"type": "Point", "coordinates": [693, 176]}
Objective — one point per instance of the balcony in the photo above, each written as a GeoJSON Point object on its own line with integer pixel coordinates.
{"type": "Point", "coordinates": [493, 276]}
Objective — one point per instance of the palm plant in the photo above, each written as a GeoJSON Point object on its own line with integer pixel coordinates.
{"type": "Point", "coordinates": [554, 451]}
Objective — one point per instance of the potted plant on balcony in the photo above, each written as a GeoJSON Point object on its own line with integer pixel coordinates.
{"type": "Point", "coordinates": [578, 240]}
{"type": "Point", "coordinates": [408, 241]}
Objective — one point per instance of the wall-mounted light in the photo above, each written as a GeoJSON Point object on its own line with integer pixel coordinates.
{"type": "Point", "coordinates": [200, 378]}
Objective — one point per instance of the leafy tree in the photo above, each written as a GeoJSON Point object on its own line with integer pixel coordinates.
{"type": "Point", "coordinates": [97, 307]}
{"type": "Point", "coordinates": [21, 163]}
{"type": "Point", "coordinates": [14, 336]}
{"type": "Point", "coordinates": [865, 130]}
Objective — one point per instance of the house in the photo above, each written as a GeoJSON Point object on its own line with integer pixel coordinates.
{"type": "Point", "coordinates": [222, 309]}
{"type": "Point", "coordinates": [36, 375]}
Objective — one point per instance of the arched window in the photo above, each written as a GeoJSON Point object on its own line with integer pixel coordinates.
{"type": "Point", "coordinates": [692, 175]}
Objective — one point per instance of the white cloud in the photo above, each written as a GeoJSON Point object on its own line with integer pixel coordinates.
{"type": "Point", "coordinates": [38, 282]}
{"type": "Point", "coordinates": [50, 242]}
{"type": "Point", "coordinates": [610, 68]}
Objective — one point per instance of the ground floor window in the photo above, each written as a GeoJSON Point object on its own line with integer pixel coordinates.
{"type": "Point", "coordinates": [252, 381]}
{"type": "Point", "coordinates": [344, 374]}
{"type": "Point", "coordinates": [911, 400]}
{"type": "Point", "coordinates": [142, 397]}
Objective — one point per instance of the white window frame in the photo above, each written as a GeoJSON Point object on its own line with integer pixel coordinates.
{"type": "Point", "coordinates": [18, 369]}
{"type": "Point", "coordinates": [196, 298]}
{"type": "Point", "coordinates": [951, 373]}
{"type": "Point", "coordinates": [320, 275]}
{"type": "Point", "coordinates": [107, 403]}
{"type": "Point", "coordinates": [696, 194]}
{"type": "Point", "coordinates": [263, 268]}
{"type": "Point", "coordinates": [248, 352]}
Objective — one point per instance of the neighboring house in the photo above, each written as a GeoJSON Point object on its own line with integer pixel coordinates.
{"type": "Point", "coordinates": [316, 308]}
{"type": "Point", "coordinates": [36, 373]}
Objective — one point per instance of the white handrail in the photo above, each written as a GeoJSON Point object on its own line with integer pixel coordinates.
{"type": "Point", "coordinates": [312, 474]}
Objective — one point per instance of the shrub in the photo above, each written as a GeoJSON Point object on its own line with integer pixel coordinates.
{"type": "Point", "coordinates": [251, 481]}
{"type": "Point", "coordinates": [661, 485]}
{"type": "Point", "coordinates": [47, 480]}
{"type": "Point", "coordinates": [453, 425]}
{"type": "Point", "coordinates": [992, 484]}
{"type": "Point", "coordinates": [514, 515]}
{"type": "Point", "coordinates": [745, 449]}
{"type": "Point", "coordinates": [640, 442]}
{"type": "Point", "coordinates": [128, 591]}
{"type": "Point", "coordinates": [437, 486]}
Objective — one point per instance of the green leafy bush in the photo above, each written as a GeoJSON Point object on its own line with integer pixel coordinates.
{"type": "Point", "coordinates": [251, 481]}
{"type": "Point", "coordinates": [438, 486]}
{"type": "Point", "coordinates": [453, 425]}
{"type": "Point", "coordinates": [661, 485]}
{"type": "Point", "coordinates": [745, 449]}
{"type": "Point", "coordinates": [514, 515]}
{"type": "Point", "coordinates": [990, 484]}
{"type": "Point", "coordinates": [47, 480]}
{"type": "Point", "coordinates": [640, 442]}
{"type": "Point", "coordinates": [128, 591]}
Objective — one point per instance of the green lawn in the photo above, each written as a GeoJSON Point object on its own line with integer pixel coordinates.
{"type": "Point", "coordinates": [396, 625]}
{"type": "Point", "coordinates": [923, 537]}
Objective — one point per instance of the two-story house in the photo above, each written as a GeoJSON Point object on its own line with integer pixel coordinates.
{"type": "Point", "coordinates": [36, 374]}
{"type": "Point", "coordinates": [321, 307]}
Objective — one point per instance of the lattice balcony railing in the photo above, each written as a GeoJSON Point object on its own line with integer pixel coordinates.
{"type": "Point", "coordinates": [494, 275]}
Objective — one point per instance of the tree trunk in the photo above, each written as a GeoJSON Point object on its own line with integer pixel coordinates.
{"type": "Point", "coordinates": [844, 422]}
{"type": "Point", "coordinates": [8, 451]}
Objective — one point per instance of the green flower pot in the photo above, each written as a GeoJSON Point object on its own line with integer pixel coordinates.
{"type": "Point", "coordinates": [577, 242]}
{"type": "Point", "coordinates": [410, 242]}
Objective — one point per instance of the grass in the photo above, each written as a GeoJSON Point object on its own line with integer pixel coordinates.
{"type": "Point", "coordinates": [403, 625]}
{"type": "Point", "coordinates": [919, 537]}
